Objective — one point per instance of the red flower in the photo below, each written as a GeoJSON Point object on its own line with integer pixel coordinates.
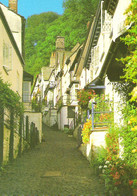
{"type": "Point", "coordinates": [117, 183]}
{"type": "Point", "coordinates": [116, 176]}
{"type": "Point", "coordinates": [109, 158]}
{"type": "Point", "coordinates": [130, 182]}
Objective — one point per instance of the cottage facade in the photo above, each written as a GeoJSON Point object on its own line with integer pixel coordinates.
{"type": "Point", "coordinates": [98, 69]}
{"type": "Point", "coordinates": [11, 47]}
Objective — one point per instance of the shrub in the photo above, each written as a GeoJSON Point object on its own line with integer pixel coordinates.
{"type": "Point", "coordinates": [86, 131]}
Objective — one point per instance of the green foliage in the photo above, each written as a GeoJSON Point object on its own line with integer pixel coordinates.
{"type": "Point", "coordinates": [68, 131]}
{"type": "Point", "coordinates": [112, 143]}
{"type": "Point", "coordinates": [42, 30]}
{"type": "Point", "coordinates": [129, 131]}
{"type": "Point", "coordinates": [130, 61]}
{"type": "Point", "coordinates": [10, 99]}
{"type": "Point", "coordinates": [36, 27]}
{"type": "Point", "coordinates": [117, 175]}
{"type": "Point", "coordinates": [86, 131]}
{"type": "Point", "coordinates": [116, 172]}
{"type": "Point", "coordinates": [98, 158]}
{"type": "Point", "coordinates": [37, 103]}
{"type": "Point", "coordinates": [129, 134]}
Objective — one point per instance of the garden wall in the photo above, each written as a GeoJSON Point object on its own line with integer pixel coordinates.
{"type": "Point", "coordinates": [16, 135]}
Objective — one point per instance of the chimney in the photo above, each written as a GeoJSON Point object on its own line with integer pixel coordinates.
{"type": "Point", "coordinates": [13, 5]}
{"type": "Point", "coordinates": [60, 43]}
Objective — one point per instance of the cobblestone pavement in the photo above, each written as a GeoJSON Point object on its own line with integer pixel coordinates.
{"type": "Point", "coordinates": [55, 167]}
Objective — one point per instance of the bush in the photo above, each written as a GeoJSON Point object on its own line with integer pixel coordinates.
{"type": "Point", "coordinates": [68, 131]}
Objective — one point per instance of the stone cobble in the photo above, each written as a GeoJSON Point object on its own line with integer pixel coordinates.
{"type": "Point", "coordinates": [54, 167]}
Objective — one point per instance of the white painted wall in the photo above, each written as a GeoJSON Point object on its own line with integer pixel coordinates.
{"type": "Point", "coordinates": [82, 79]}
{"type": "Point", "coordinates": [15, 24]}
{"type": "Point", "coordinates": [62, 117]}
{"type": "Point", "coordinates": [97, 139]}
{"type": "Point", "coordinates": [50, 118]}
{"type": "Point", "coordinates": [119, 18]}
{"type": "Point", "coordinates": [117, 100]}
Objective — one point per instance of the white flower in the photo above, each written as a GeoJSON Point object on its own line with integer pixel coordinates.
{"type": "Point", "coordinates": [107, 162]}
{"type": "Point", "coordinates": [105, 166]}
{"type": "Point", "coordinates": [100, 167]}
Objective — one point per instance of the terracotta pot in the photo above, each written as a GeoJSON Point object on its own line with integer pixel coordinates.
{"type": "Point", "coordinates": [135, 192]}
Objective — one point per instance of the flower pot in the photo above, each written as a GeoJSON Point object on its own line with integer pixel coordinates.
{"type": "Point", "coordinates": [135, 192]}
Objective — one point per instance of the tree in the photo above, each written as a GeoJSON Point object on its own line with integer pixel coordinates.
{"type": "Point", "coordinates": [42, 30]}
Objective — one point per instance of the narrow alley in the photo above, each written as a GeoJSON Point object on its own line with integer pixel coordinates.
{"type": "Point", "coordinates": [54, 167]}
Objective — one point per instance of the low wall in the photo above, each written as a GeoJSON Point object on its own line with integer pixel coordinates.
{"type": "Point", "coordinates": [18, 133]}
{"type": "Point", "coordinates": [36, 118]}
{"type": "Point", "coordinates": [6, 144]}
{"type": "Point", "coordinates": [97, 139]}
{"type": "Point", "coordinates": [16, 143]}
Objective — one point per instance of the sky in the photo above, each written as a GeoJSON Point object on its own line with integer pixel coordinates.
{"type": "Point", "coordinates": [27, 8]}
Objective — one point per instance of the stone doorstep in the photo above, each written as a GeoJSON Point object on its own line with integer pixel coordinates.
{"type": "Point", "coordinates": [52, 174]}
{"type": "Point", "coordinates": [97, 129]}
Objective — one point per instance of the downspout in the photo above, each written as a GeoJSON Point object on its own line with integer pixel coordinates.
{"type": "Point", "coordinates": [102, 2]}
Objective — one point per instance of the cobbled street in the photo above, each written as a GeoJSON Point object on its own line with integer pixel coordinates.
{"type": "Point", "coordinates": [54, 167]}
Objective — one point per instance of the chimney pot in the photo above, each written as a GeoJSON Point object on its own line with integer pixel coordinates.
{"type": "Point", "coordinates": [60, 43]}
{"type": "Point", "coordinates": [13, 5]}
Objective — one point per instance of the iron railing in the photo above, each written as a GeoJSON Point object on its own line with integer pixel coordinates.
{"type": "Point", "coordinates": [93, 114]}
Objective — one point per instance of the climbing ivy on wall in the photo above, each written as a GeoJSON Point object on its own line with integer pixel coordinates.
{"type": "Point", "coordinates": [10, 99]}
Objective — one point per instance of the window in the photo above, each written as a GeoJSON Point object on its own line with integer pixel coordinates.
{"type": "Point", "coordinates": [7, 57]}
{"type": "Point", "coordinates": [26, 91]}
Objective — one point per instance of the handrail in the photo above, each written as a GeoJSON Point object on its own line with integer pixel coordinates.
{"type": "Point", "coordinates": [93, 112]}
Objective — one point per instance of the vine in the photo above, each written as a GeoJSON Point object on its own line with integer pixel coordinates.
{"type": "Point", "coordinates": [130, 61]}
{"type": "Point", "coordinates": [10, 99]}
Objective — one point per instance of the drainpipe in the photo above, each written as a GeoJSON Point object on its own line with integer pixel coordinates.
{"type": "Point", "coordinates": [102, 2]}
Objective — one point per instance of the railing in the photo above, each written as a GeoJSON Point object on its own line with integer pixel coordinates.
{"type": "Point", "coordinates": [67, 100]}
{"type": "Point", "coordinates": [99, 118]}
{"type": "Point", "coordinates": [107, 25]}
